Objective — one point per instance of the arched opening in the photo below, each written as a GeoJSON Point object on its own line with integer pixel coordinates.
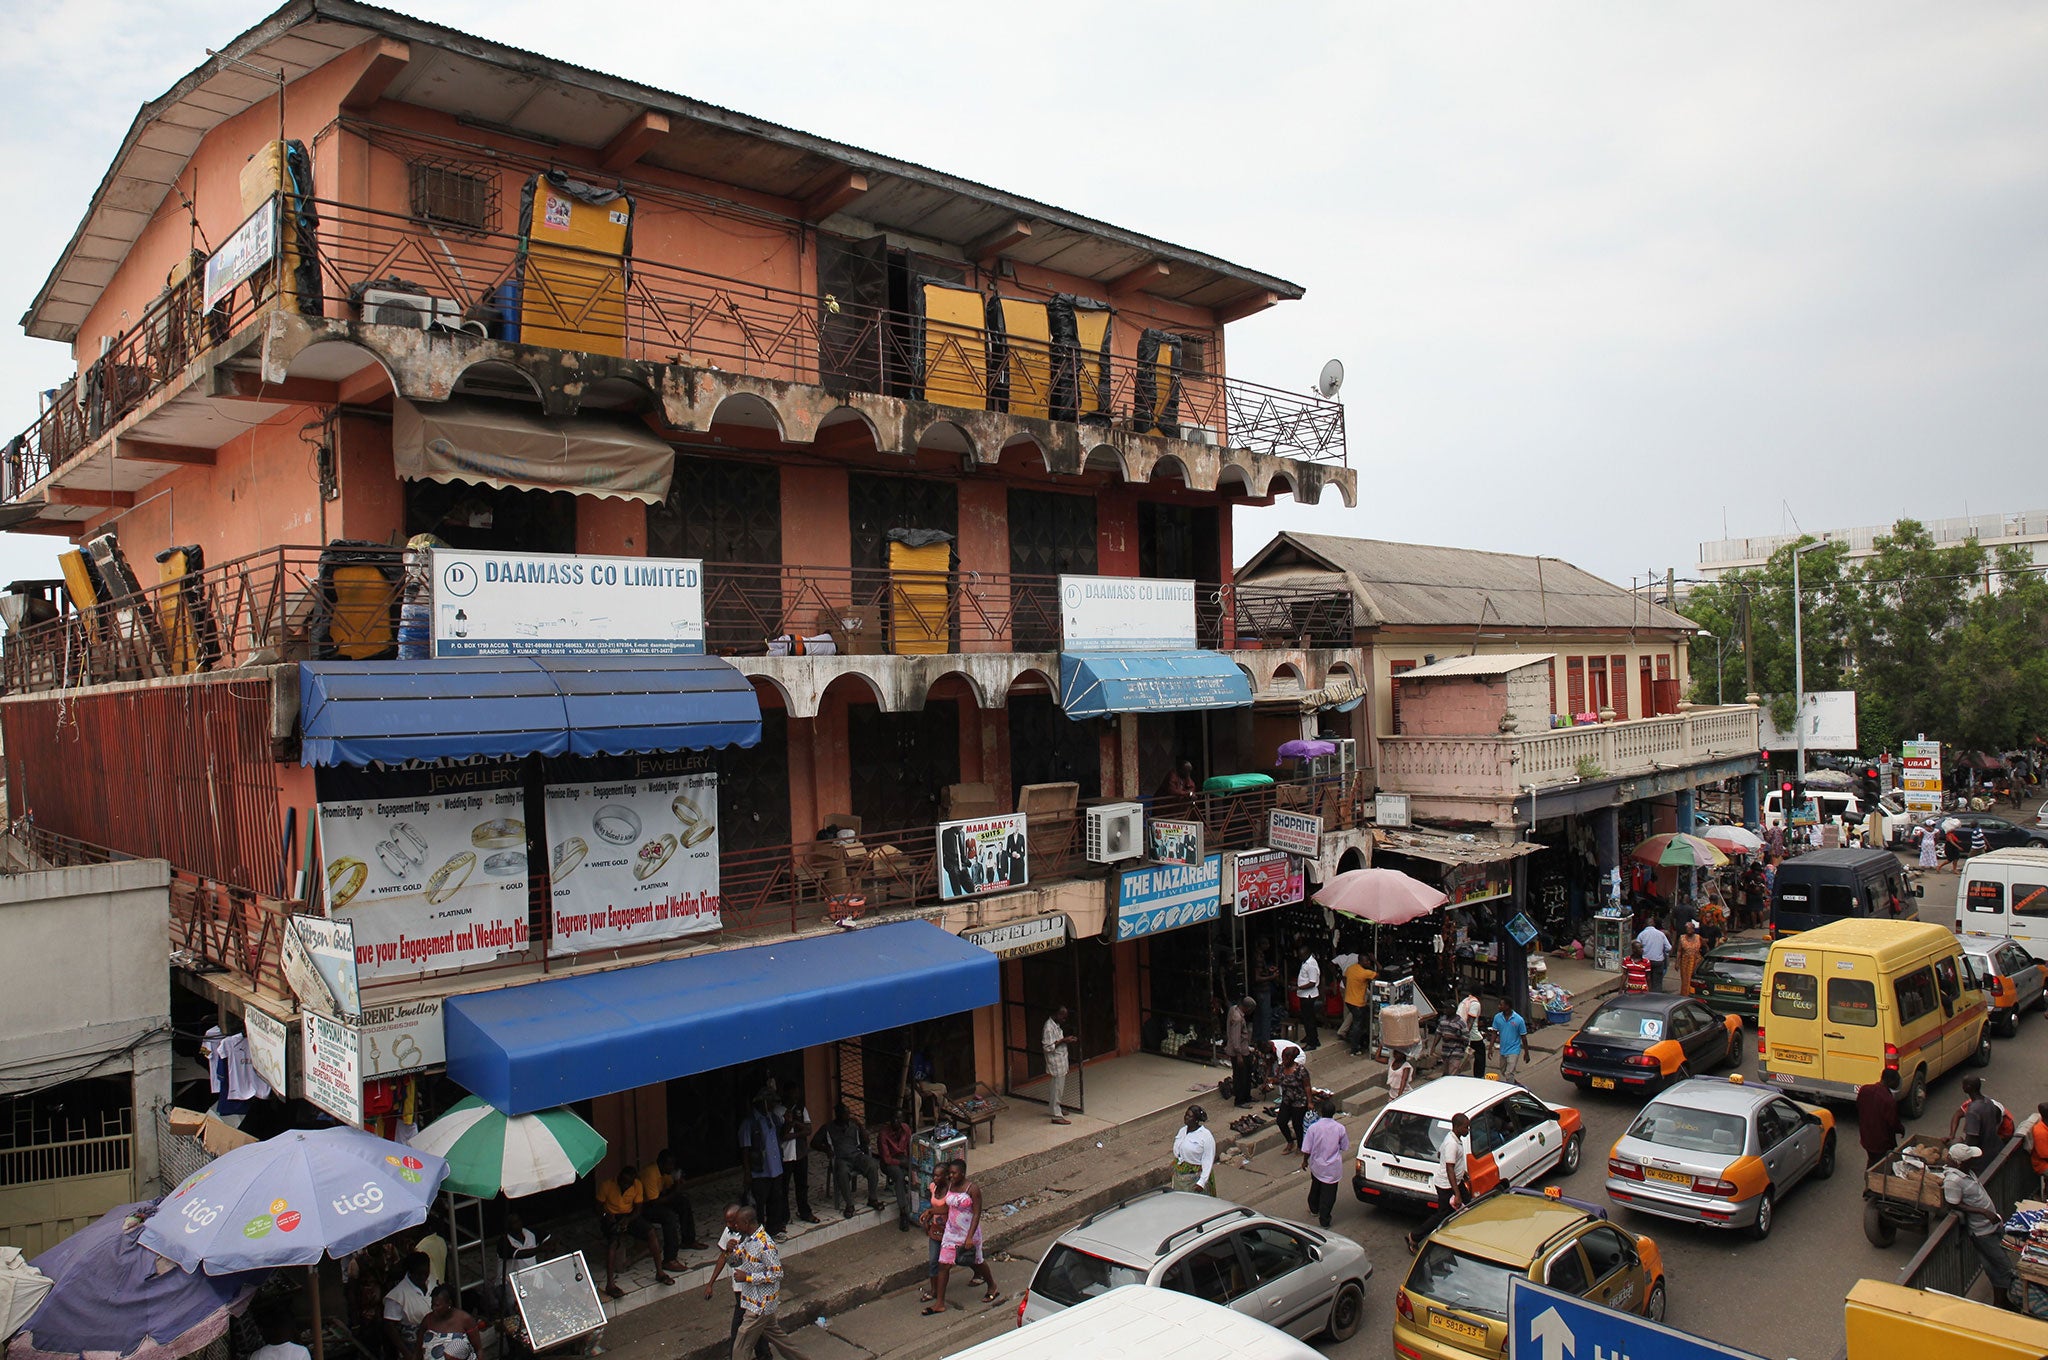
{"type": "Point", "coordinates": [619, 394]}
{"type": "Point", "coordinates": [1353, 858]}
{"type": "Point", "coordinates": [1280, 484]}
{"type": "Point", "coordinates": [496, 380]}
{"type": "Point", "coordinates": [1167, 471]}
{"type": "Point", "coordinates": [1025, 455]}
{"type": "Point", "coordinates": [747, 411]}
{"type": "Point", "coordinates": [1107, 461]}
{"type": "Point", "coordinates": [945, 437]}
{"type": "Point", "coordinates": [336, 361]}
{"type": "Point", "coordinates": [1234, 481]}
{"type": "Point", "coordinates": [846, 430]}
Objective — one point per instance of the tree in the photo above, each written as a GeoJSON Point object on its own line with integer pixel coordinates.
{"type": "Point", "coordinates": [1829, 608]}
{"type": "Point", "coordinates": [1905, 602]}
{"type": "Point", "coordinates": [1994, 668]}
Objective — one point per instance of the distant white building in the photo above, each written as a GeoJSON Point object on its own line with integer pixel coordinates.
{"type": "Point", "coordinates": [2026, 529]}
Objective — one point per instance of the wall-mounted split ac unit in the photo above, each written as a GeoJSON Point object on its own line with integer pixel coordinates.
{"type": "Point", "coordinates": [1116, 831]}
{"type": "Point", "coordinates": [1200, 434]}
{"type": "Point", "coordinates": [419, 311]}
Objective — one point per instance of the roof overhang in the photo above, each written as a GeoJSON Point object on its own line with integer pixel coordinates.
{"type": "Point", "coordinates": [554, 102]}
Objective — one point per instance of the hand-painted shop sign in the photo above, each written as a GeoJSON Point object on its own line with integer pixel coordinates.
{"type": "Point", "coordinates": [1015, 939]}
{"type": "Point", "coordinates": [1267, 879]}
{"type": "Point", "coordinates": [1295, 832]}
{"type": "Point", "coordinates": [1164, 897]}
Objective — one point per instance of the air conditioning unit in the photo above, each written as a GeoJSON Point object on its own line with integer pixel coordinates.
{"type": "Point", "coordinates": [1116, 831]}
{"type": "Point", "coordinates": [419, 311]}
{"type": "Point", "coordinates": [1200, 434]}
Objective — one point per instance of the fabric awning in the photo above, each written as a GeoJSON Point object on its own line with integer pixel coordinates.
{"type": "Point", "coordinates": [576, 1038]}
{"type": "Point", "coordinates": [356, 712]}
{"type": "Point", "coordinates": [519, 448]}
{"type": "Point", "coordinates": [1096, 685]}
{"type": "Point", "coordinates": [1450, 849]}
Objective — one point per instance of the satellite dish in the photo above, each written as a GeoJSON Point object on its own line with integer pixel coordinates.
{"type": "Point", "coordinates": [1332, 380]}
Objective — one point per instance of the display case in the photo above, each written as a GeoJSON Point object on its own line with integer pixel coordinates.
{"type": "Point", "coordinates": [928, 1149]}
{"type": "Point", "coordinates": [1610, 940]}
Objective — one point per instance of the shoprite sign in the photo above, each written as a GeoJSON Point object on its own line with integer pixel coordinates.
{"type": "Point", "coordinates": [1167, 896]}
{"type": "Point", "coordinates": [565, 604]}
{"type": "Point", "coordinates": [1295, 832]}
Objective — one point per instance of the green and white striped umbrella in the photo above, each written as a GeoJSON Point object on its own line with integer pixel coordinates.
{"type": "Point", "coordinates": [492, 1153]}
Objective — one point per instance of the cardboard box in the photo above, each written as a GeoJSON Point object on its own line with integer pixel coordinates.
{"type": "Point", "coordinates": [856, 633]}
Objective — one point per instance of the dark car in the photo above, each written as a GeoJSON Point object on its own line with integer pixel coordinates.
{"type": "Point", "coordinates": [1730, 979]}
{"type": "Point", "coordinates": [1999, 834]}
{"type": "Point", "coordinates": [1644, 1041]}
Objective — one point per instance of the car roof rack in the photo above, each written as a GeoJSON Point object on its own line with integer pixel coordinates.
{"type": "Point", "coordinates": [1168, 1242]}
{"type": "Point", "coordinates": [1125, 1203]}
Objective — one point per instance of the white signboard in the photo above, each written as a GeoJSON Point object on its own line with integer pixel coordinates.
{"type": "Point", "coordinates": [401, 1037]}
{"type": "Point", "coordinates": [1122, 614]}
{"type": "Point", "coordinates": [328, 946]}
{"type": "Point", "coordinates": [269, 1048]}
{"type": "Point", "coordinates": [1295, 832]}
{"type": "Point", "coordinates": [1920, 775]}
{"type": "Point", "coordinates": [1390, 809]}
{"type": "Point", "coordinates": [556, 604]}
{"type": "Point", "coordinates": [330, 1062]}
{"type": "Point", "coordinates": [983, 855]}
{"type": "Point", "coordinates": [252, 246]}
{"type": "Point", "coordinates": [1015, 939]}
{"type": "Point", "coordinates": [1829, 720]}
{"type": "Point", "coordinates": [634, 860]}
{"type": "Point", "coordinates": [429, 882]}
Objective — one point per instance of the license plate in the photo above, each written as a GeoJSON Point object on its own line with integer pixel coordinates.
{"type": "Point", "coordinates": [1444, 1322]}
{"type": "Point", "coordinates": [1730, 989]}
{"type": "Point", "coordinates": [1668, 1177]}
{"type": "Point", "coordinates": [1403, 1173]}
{"type": "Point", "coordinates": [1604, 1083]}
{"type": "Point", "coordinates": [1791, 1055]}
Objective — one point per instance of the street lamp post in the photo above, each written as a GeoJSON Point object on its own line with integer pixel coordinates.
{"type": "Point", "coordinates": [1799, 665]}
{"type": "Point", "coordinates": [1720, 648]}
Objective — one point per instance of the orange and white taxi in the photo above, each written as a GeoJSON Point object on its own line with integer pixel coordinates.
{"type": "Point", "coordinates": [1516, 1138]}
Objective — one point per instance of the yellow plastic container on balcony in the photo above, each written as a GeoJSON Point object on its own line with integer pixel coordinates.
{"type": "Point", "coordinates": [1027, 350]}
{"type": "Point", "coordinates": [574, 242]}
{"type": "Point", "coordinates": [920, 621]}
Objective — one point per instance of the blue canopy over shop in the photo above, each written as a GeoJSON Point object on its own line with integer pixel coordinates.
{"type": "Point", "coordinates": [1095, 685]}
{"type": "Point", "coordinates": [357, 712]}
{"type": "Point", "coordinates": [575, 1038]}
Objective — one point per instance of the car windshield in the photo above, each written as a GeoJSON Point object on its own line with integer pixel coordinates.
{"type": "Point", "coordinates": [1067, 1276]}
{"type": "Point", "coordinates": [1625, 1022]}
{"type": "Point", "coordinates": [1675, 1126]}
{"type": "Point", "coordinates": [1403, 1133]}
{"type": "Point", "coordinates": [1459, 1281]}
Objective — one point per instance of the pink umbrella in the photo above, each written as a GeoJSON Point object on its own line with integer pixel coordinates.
{"type": "Point", "coordinates": [1386, 897]}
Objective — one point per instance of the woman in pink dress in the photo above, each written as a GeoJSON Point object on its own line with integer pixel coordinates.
{"type": "Point", "coordinates": [962, 1241]}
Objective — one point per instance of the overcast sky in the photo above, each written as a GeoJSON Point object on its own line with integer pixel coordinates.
{"type": "Point", "coordinates": [1602, 275]}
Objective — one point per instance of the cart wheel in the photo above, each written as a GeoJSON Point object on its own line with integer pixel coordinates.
{"type": "Point", "coordinates": [1876, 1226]}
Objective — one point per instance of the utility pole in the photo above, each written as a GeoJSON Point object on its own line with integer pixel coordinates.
{"type": "Point", "coordinates": [1799, 666]}
{"type": "Point", "coordinates": [1749, 694]}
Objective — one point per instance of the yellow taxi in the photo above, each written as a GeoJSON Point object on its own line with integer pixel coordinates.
{"type": "Point", "coordinates": [1454, 1302]}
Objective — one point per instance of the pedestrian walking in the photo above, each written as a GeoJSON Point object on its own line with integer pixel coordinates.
{"type": "Point", "coordinates": [1238, 1048]}
{"type": "Point", "coordinates": [933, 1221]}
{"type": "Point", "coordinates": [1509, 1029]}
{"type": "Point", "coordinates": [1930, 848]}
{"type": "Point", "coordinates": [1308, 991]}
{"type": "Point", "coordinates": [1358, 979]}
{"type": "Point", "coordinates": [1964, 1193]}
{"type": "Point", "coordinates": [1635, 970]}
{"type": "Point", "coordinates": [961, 1244]}
{"type": "Point", "coordinates": [1978, 844]}
{"type": "Point", "coordinates": [1322, 1155]}
{"type": "Point", "coordinates": [1656, 946]}
{"type": "Point", "coordinates": [1294, 1088]}
{"type": "Point", "coordinates": [1690, 947]}
{"type": "Point", "coordinates": [892, 1150]}
{"type": "Point", "coordinates": [1194, 1153]}
{"type": "Point", "coordinates": [728, 1239]}
{"type": "Point", "coordinates": [846, 1142]}
{"type": "Point", "coordinates": [1448, 1180]}
{"type": "Point", "coordinates": [1878, 1126]}
{"type": "Point", "coordinates": [757, 1267]}
{"type": "Point", "coordinates": [1057, 1044]}
{"type": "Point", "coordinates": [1472, 1015]}
{"type": "Point", "coordinates": [761, 1146]}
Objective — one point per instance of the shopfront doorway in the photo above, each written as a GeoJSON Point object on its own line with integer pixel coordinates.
{"type": "Point", "coordinates": [1081, 977]}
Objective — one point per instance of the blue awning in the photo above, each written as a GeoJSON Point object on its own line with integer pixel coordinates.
{"type": "Point", "coordinates": [575, 1038]}
{"type": "Point", "coordinates": [356, 712]}
{"type": "Point", "coordinates": [1092, 686]}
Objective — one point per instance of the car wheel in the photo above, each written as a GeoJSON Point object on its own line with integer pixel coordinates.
{"type": "Point", "coordinates": [2009, 1023]}
{"type": "Point", "coordinates": [1347, 1310]}
{"type": "Point", "coordinates": [1982, 1057]}
{"type": "Point", "coordinates": [1881, 1231]}
{"type": "Point", "coordinates": [1653, 1306]}
{"type": "Point", "coordinates": [1733, 1059]}
{"type": "Point", "coordinates": [1765, 1212]}
{"type": "Point", "coordinates": [1825, 1167]}
{"type": "Point", "coordinates": [1574, 1150]}
{"type": "Point", "coordinates": [1915, 1103]}
{"type": "Point", "coordinates": [2041, 1001]}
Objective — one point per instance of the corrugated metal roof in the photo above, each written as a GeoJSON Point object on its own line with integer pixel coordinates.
{"type": "Point", "coordinates": [1425, 585]}
{"type": "Point", "coordinates": [1498, 664]}
{"type": "Point", "coordinates": [527, 93]}
{"type": "Point", "coordinates": [1450, 849]}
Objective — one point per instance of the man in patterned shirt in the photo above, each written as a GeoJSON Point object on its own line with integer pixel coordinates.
{"type": "Point", "coordinates": [757, 1270]}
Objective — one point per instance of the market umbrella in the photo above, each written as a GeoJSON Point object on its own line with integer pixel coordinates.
{"type": "Point", "coordinates": [1386, 897]}
{"type": "Point", "coordinates": [1733, 840]}
{"type": "Point", "coordinates": [111, 1297]}
{"type": "Point", "coordinates": [492, 1153]}
{"type": "Point", "coordinates": [1306, 748]}
{"type": "Point", "coordinates": [289, 1200]}
{"type": "Point", "coordinates": [1673, 848]}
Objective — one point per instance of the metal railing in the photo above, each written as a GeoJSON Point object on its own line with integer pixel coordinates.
{"type": "Point", "coordinates": [662, 313]}
{"type": "Point", "coordinates": [1946, 1261]}
{"type": "Point", "coordinates": [303, 603]}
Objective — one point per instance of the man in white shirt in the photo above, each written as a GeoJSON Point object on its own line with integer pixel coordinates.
{"type": "Point", "coordinates": [407, 1303]}
{"type": "Point", "coordinates": [1471, 1013]}
{"type": "Point", "coordinates": [1057, 1043]}
{"type": "Point", "coordinates": [277, 1339]}
{"type": "Point", "coordinates": [1448, 1181]}
{"type": "Point", "coordinates": [1657, 949]}
{"type": "Point", "coordinates": [1308, 989]}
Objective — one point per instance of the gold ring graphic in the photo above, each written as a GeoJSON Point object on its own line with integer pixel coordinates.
{"type": "Point", "coordinates": [345, 878]}
{"type": "Point", "coordinates": [698, 834]}
{"type": "Point", "coordinates": [449, 878]}
{"type": "Point", "coordinates": [503, 833]}
{"type": "Point", "coordinates": [652, 856]}
{"type": "Point", "coordinates": [568, 855]}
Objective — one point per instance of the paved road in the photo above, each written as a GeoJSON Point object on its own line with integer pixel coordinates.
{"type": "Point", "coordinates": [1779, 1298]}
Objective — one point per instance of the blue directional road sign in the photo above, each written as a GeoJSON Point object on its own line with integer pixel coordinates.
{"type": "Point", "coordinates": [1546, 1325]}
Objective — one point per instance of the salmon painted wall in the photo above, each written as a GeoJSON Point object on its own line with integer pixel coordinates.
{"type": "Point", "coordinates": [260, 492]}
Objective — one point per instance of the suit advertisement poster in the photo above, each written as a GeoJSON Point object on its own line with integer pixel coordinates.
{"type": "Point", "coordinates": [983, 855]}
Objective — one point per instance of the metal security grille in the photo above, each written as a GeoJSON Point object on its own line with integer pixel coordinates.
{"type": "Point", "coordinates": [452, 194]}
{"type": "Point", "coordinates": [47, 1138]}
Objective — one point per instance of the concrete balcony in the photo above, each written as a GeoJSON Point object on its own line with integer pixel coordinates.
{"type": "Point", "coordinates": [1479, 778]}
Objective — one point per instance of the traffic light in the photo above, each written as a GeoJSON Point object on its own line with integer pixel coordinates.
{"type": "Point", "coordinates": [1870, 773]}
{"type": "Point", "coordinates": [1763, 759]}
{"type": "Point", "coordinates": [1786, 789]}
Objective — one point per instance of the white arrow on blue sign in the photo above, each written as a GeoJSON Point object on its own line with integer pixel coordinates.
{"type": "Point", "coordinates": [1546, 1325]}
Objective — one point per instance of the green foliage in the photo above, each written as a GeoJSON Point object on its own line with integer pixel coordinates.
{"type": "Point", "coordinates": [1588, 768]}
{"type": "Point", "coordinates": [1910, 628]}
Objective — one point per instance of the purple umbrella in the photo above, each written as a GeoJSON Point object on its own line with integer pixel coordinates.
{"type": "Point", "coordinates": [115, 1299]}
{"type": "Point", "coordinates": [1306, 749]}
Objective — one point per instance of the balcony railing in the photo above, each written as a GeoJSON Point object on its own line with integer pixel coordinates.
{"type": "Point", "coordinates": [343, 603]}
{"type": "Point", "coordinates": [664, 313]}
{"type": "Point", "coordinates": [1499, 767]}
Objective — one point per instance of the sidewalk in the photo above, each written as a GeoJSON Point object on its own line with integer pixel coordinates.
{"type": "Point", "coordinates": [1054, 1177]}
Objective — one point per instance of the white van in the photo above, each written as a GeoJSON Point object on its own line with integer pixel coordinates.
{"type": "Point", "coordinates": [1838, 805]}
{"type": "Point", "coordinates": [2005, 892]}
{"type": "Point", "coordinates": [1142, 1322]}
